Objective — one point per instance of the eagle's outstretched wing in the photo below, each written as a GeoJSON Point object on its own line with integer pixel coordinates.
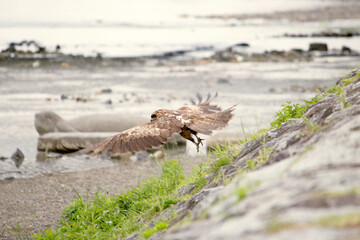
{"type": "Point", "coordinates": [138, 138]}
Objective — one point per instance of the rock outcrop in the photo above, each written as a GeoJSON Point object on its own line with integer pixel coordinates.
{"type": "Point", "coordinates": [304, 183]}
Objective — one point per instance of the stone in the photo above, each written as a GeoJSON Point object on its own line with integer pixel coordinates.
{"type": "Point", "coordinates": [47, 121]}
{"type": "Point", "coordinates": [346, 50]}
{"type": "Point", "coordinates": [18, 157]}
{"type": "Point", "coordinates": [223, 81]}
{"type": "Point", "coordinates": [159, 154]}
{"type": "Point", "coordinates": [106, 90]}
{"type": "Point", "coordinates": [109, 102]}
{"type": "Point", "coordinates": [318, 47]}
{"type": "Point", "coordinates": [64, 97]}
{"type": "Point", "coordinates": [244, 44]}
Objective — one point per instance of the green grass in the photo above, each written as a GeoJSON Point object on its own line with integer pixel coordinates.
{"type": "Point", "coordinates": [311, 127]}
{"type": "Point", "coordinates": [295, 110]}
{"type": "Point", "coordinates": [275, 226]}
{"type": "Point", "coordinates": [221, 156]}
{"type": "Point", "coordinates": [264, 156]}
{"type": "Point", "coordinates": [351, 191]}
{"type": "Point", "coordinates": [159, 226]}
{"type": "Point", "coordinates": [287, 112]}
{"type": "Point", "coordinates": [253, 136]}
{"type": "Point", "coordinates": [340, 221]}
{"type": "Point", "coordinates": [351, 220]}
{"type": "Point", "coordinates": [243, 192]}
{"type": "Point", "coordinates": [198, 177]}
{"type": "Point", "coordinates": [218, 156]}
{"type": "Point", "coordinates": [111, 217]}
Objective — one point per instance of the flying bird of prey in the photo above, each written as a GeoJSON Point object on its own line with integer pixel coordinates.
{"type": "Point", "coordinates": [201, 117]}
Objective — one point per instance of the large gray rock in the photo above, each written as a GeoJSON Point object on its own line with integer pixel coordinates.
{"type": "Point", "coordinates": [47, 122]}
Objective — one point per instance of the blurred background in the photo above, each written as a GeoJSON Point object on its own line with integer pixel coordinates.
{"type": "Point", "coordinates": [79, 58]}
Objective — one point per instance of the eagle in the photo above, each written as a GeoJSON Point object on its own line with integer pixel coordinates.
{"type": "Point", "coordinates": [189, 120]}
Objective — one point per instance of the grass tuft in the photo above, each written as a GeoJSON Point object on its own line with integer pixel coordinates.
{"type": "Point", "coordinates": [311, 127]}
{"type": "Point", "coordinates": [159, 226]}
{"type": "Point", "coordinates": [262, 158]}
{"type": "Point", "coordinates": [288, 111]}
{"type": "Point", "coordinates": [243, 192]}
{"type": "Point", "coordinates": [342, 221]}
{"type": "Point", "coordinates": [221, 156]}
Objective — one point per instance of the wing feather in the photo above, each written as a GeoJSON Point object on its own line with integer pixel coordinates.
{"type": "Point", "coordinates": [146, 142]}
{"type": "Point", "coordinates": [202, 107]}
{"type": "Point", "coordinates": [123, 146]}
{"type": "Point", "coordinates": [116, 146]}
{"type": "Point", "coordinates": [131, 145]}
{"type": "Point", "coordinates": [137, 144]}
{"type": "Point", "coordinates": [141, 144]}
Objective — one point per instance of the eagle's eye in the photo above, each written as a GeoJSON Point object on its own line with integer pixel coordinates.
{"type": "Point", "coordinates": [153, 117]}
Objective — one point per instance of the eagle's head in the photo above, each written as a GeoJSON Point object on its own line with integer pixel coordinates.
{"type": "Point", "coordinates": [159, 113]}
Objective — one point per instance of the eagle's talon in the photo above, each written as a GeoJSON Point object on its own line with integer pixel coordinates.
{"type": "Point", "coordinates": [199, 140]}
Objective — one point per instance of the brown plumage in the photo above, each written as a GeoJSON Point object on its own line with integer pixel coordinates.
{"type": "Point", "coordinates": [201, 117]}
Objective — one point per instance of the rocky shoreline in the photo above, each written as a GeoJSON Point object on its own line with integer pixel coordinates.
{"type": "Point", "coordinates": [15, 56]}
